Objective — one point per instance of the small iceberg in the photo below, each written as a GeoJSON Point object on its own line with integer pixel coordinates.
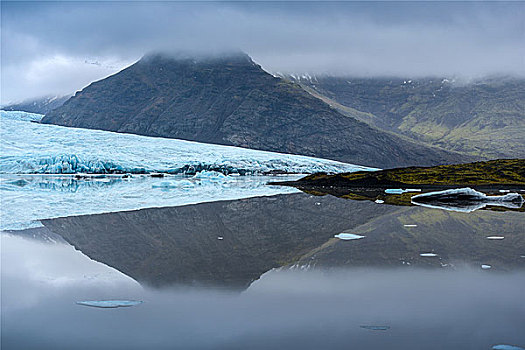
{"type": "Point", "coordinates": [485, 267]}
{"type": "Point", "coordinates": [495, 237]}
{"type": "Point", "coordinates": [376, 328]}
{"type": "Point", "coordinates": [348, 236]}
{"type": "Point", "coordinates": [506, 347]}
{"type": "Point", "coordinates": [466, 200]}
{"type": "Point", "coordinates": [401, 191]}
{"type": "Point", "coordinates": [109, 304]}
{"type": "Point", "coordinates": [179, 184]}
{"type": "Point", "coordinates": [427, 254]}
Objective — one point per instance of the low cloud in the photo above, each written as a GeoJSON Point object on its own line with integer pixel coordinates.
{"type": "Point", "coordinates": [56, 48]}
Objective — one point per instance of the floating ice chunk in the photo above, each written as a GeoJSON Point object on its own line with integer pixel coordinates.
{"type": "Point", "coordinates": [506, 347]}
{"type": "Point", "coordinates": [348, 236]}
{"type": "Point", "coordinates": [376, 328]}
{"type": "Point", "coordinates": [210, 176]}
{"type": "Point", "coordinates": [175, 184]}
{"type": "Point", "coordinates": [466, 200]}
{"type": "Point", "coordinates": [495, 237]}
{"type": "Point", "coordinates": [107, 304]}
{"type": "Point", "coordinates": [486, 267]}
{"type": "Point", "coordinates": [427, 254]}
{"type": "Point", "coordinates": [379, 201]}
{"type": "Point", "coordinates": [401, 191]}
{"type": "Point", "coordinates": [410, 225]}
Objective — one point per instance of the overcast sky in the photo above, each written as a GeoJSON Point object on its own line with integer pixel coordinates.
{"type": "Point", "coordinates": [58, 48]}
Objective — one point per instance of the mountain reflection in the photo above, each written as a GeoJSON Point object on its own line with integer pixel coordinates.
{"type": "Point", "coordinates": [232, 243]}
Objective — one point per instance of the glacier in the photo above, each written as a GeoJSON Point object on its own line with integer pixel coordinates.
{"type": "Point", "coordinates": [34, 148]}
{"type": "Point", "coordinates": [40, 166]}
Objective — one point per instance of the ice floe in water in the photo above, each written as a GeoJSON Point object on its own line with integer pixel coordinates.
{"type": "Point", "coordinates": [348, 236]}
{"type": "Point", "coordinates": [110, 304]}
{"type": "Point", "coordinates": [376, 328]}
{"type": "Point", "coordinates": [401, 191]}
{"type": "Point", "coordinates": [466, 200]}
{"type": "Point", "coordinates": [495, 237]}
{"type": "Point", "coordinates": [427, 254]}
{"type": "Point", "coordinates": [506, 347]}
{"type": "Point", "coordinates": [33, 148]}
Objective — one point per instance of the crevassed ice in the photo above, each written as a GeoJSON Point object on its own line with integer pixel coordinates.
{"type": "Point", "coordinates": [33, 148]}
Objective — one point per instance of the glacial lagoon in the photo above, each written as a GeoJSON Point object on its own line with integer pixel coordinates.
{"type": "Point", "coordinates": [266, 272]}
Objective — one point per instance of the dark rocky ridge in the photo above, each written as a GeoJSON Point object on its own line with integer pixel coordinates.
{"type": "Point", "coordinates": [230, 100]}
{"type": "Point", "coordinates": [40, 105]}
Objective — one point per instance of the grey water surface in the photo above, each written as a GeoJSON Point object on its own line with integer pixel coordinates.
{"type": "Point", "coordinates": [267, 273]}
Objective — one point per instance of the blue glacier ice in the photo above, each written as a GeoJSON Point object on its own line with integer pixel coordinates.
{"type": "Point", "coordinates": [33, 148]}
{"type": "Point", "coordinates": [36, 159]}
{"type": "Point", "coordinates": [21, 116]}
{"type": "Point", "coordinates": [506, 347]}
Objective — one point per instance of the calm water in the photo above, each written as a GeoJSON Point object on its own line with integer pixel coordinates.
{"type": "Point", "coordinates": [268, 273]}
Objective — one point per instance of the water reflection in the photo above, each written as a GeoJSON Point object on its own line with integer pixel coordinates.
{"type": "Point", "coordinates": [409, 197]}
{"type": "Point", "coordinates": [227, 243]}
{"type": "Point", "coordinates": [232, 243]}
{"type": "Point", "coordinates": [301, 286]}
{"type": "Point", "coordinates": [284, 309]}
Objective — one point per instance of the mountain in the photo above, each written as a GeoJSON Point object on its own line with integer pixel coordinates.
{"type": "Point", "coordinates": [40, 105]}
{"type": "Point", "coordinates": [230, 100]}
{"type": "Point", "coordinates": [483, 118]}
